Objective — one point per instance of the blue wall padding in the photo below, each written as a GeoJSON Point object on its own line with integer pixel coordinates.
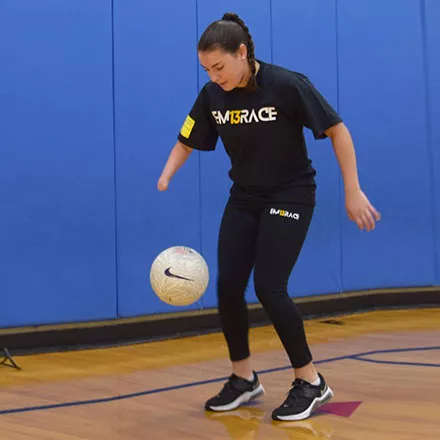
{"type": "Point", "coordinates": [382, 97]}
{"type": "Point", "coordinates": [92, 97]}
{"type": "Point", "coordinates": [155, 83]}
{"type": "Point", "coordinates": [57, 222]}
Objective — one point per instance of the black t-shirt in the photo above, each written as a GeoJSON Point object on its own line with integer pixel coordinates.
{"type": "Point", "coordinates": [262, 131]}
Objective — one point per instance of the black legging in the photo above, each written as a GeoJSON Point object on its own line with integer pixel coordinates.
{"type": "Point", "coordinates": [268, 238]}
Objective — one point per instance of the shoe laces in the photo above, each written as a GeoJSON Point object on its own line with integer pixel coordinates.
{"type": "Point", "coordinates": [228, 386]}
{"type": "Point", "coordinates": [295, 391]}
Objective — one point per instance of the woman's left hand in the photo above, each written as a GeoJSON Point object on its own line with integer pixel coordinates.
{"type": "Point", "coordinates": [360, 209]}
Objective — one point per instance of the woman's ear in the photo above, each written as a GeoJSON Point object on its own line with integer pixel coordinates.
{"type": "Point", "coordinates": [242, 51]}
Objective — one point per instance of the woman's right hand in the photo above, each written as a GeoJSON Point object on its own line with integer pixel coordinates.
{"type": "Point", "coordinates": [162, 184]}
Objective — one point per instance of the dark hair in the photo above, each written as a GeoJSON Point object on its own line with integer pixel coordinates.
{"type": "Point", "coordinates": [228, 34]}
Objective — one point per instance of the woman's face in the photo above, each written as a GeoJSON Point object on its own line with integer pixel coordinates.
{"type": "Point", "coordinates": [225, 69]}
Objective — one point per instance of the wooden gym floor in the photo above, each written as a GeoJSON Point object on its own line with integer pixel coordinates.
{"type": "Point", "coordinates": [383, 366]}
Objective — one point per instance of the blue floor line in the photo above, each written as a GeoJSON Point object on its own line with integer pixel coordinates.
{"type": "Point", "coordinates": [411, 364]}
{"type": "Point", "coordinates": [357, 356]}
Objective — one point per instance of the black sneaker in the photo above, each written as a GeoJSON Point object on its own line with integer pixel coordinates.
{"type": "Point", "coordinates": [302, 400]}
{"type": "Point", "coordinates": [235, 392]}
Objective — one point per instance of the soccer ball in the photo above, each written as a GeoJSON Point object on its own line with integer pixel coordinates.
{"type": "Point", "coordinates": [179, 276]}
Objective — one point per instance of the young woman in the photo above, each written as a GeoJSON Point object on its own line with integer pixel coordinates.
{"type": "Point", "coordinates": [259, 111]}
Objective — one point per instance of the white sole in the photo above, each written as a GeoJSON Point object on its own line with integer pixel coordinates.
{"type": "Point", "coordinates": [244, 398]}
{"type": "Point", "coordinates": [317, 402]}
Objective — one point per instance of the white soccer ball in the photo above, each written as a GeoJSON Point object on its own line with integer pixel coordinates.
{"type": "Point", "coordinates": [179, 276]}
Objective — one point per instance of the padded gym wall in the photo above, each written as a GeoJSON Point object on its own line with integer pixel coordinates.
{"type": "Point", "coordinates": [383, 100]}
{"type": "Point", "coordinates": [57, 246]}
{"type": "Point", "coordinates": [431, 20]}
{"type": "Point", "coordinates": [92, 97]}
{"type": "Point", "coordinates": [155, 83]}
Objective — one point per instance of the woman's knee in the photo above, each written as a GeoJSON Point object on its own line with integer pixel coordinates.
{"type": "Point", "coordinates": [231, 287]}
{"type": "Point", "coordinates": [269, 288]}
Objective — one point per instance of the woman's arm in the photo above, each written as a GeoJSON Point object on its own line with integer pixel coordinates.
{"type": "Point", "coordinates": [358, 207]}
{"type": "Point", "coordinates": [178, 156]}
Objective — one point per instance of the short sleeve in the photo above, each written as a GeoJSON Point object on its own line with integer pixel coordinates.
{"type": "Point", "coordinates": [198, 130]}
{"type": "Point", "coordinates": [312, 109]}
